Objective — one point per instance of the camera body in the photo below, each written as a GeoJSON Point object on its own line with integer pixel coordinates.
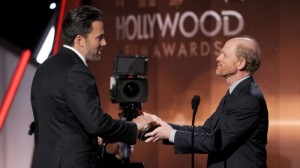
{"type": "Point", "coordinates": [128, 83]}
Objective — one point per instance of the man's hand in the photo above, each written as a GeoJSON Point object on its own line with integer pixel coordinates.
{"type": "Point", "coordinates": [162, 132]}
{"type": "Point", "coordinates": [154, 117]}
{"type": "Point", "coordinates": [141, 121]}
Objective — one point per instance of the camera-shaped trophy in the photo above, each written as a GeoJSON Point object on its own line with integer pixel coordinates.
{"type": "Point", "coordinates": [128, 85]}
{"type": "Point", "coordinates": [129, 88]}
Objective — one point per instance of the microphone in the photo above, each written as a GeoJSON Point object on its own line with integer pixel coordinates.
{"type": "Point", "coordinates": [195, 104]}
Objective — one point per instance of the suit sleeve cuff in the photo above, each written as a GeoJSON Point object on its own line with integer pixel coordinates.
{"type": "Point", "coordinates": [172, 136]}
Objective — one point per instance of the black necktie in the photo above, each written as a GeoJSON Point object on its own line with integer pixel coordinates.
{"type": "Point", "coordinates": [227, 95]}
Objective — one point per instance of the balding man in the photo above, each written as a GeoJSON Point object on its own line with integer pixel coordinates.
{"type": "Point", "coordinates": [235, 135]}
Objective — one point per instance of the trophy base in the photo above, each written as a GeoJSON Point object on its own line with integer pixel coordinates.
{"type": "Point", "coordinates": [149, 128]}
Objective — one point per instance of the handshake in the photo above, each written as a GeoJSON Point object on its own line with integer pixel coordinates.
{"type": "Point", "coordinates": [152, 128]}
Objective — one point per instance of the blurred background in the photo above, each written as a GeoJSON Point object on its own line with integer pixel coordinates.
{"type": "Point", "coordinates": [181, 39]}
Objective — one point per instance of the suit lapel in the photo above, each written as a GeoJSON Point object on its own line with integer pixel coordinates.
{"type": "Point", "coordinates": [218, 113]}
{"type": "Point", "coordinates": [222, 106]}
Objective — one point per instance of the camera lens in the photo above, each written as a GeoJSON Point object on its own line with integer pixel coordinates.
{"type": "Point", "coordinates": [131, 89]}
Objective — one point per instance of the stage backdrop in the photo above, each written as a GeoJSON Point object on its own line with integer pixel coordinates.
{"type": "Point", "coordinates": [182, 39]}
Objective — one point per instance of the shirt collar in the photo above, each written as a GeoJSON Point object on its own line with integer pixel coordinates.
{"type": "Point", "coordinates": [231, 87]}
{"type": "Point", "coordinates": [78, 53]}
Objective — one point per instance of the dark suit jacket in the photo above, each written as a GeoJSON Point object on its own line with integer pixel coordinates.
{"type": "Point", "coordinates": [235, 136]}
{"type": "Point", "coordinates": [68, 117]}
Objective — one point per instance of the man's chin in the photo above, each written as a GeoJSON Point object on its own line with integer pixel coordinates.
{"type": "Point", "coordinates": [220, 75]}
{"type": "Point", "coordinates": [97, 58]}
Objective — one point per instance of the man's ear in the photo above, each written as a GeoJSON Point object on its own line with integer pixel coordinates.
{"type": "Point", "coordinates": [242, 64]}
{"type": "Point", "coordinates": [79, 40]}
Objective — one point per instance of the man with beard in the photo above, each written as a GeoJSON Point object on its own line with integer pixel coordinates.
{"type": "Point", "coordinates": [66, 103]}
{"type": "Point", "coordinates": [235, 135]}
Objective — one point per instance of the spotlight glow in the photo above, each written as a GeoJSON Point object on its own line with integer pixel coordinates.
{"type": "Point", "coordinates": [52, 5]}
{"type": "Point", "coordinates": [47, 46]}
